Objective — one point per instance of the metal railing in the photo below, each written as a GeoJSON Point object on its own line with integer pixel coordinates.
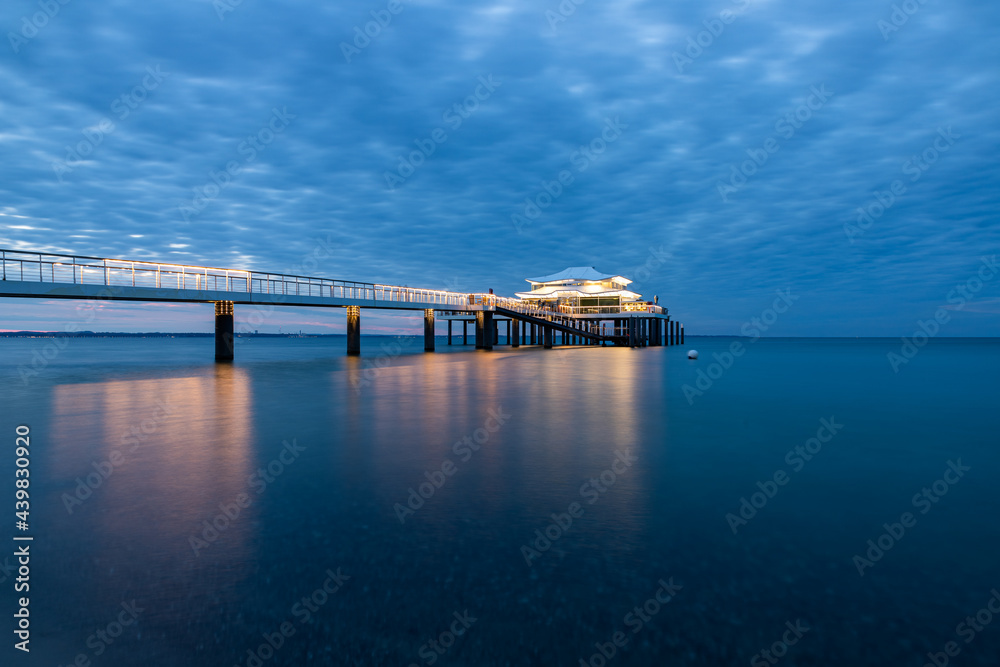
{"type": "Point", "coordinates": [81, 270]}
{"type": "Point", "coordinates": [492, 300]}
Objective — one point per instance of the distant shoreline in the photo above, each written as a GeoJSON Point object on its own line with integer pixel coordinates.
{"type": "Point", "coordinates": [149, 334]}
{"type": "Point", "coordinates": [162, 334]}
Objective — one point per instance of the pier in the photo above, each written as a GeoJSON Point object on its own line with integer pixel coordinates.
{"type": "Point", "coordinates": [525, 322]}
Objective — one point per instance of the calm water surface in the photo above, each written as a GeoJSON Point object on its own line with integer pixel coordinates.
{"type": "Point", "coordinates": [140, 445]}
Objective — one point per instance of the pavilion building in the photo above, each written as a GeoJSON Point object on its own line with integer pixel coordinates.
{"type": "Point", "coordinates": [576, 306]}
{"type": "Point", "coordinates": [583, 290]}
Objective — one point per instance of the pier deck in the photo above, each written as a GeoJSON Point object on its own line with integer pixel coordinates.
{"type": "Point", "coordinates": [57, 276]}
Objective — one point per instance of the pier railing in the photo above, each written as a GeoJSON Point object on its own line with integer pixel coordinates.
{"type": "Point", "coordinates": [516, 305]}
{"type": "Point", "coordinates": [81, 270]}
{"type": "Point", "coordinates": [492, 301]}
{"type": "Point", "coordinates": [626, 307]}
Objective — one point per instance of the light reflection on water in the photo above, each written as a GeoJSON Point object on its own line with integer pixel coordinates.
{"type": "Point", "coordinates": [192, 436]}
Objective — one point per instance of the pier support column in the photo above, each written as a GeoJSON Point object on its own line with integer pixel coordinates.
{"type": "Point", "coordinates": [670, 332]}
{"type": "Point", "coordinates": [465, 332]}
{"type": "Point", "coordinates": [449, 332]}
{"type": "Point", "coordinates": [515, 325]}
{"type": "Point", "coordinates": [534, 330]}
{"type": "Point", "coordinates": [547, 338]}
{"type": "Point", "coordinates": [429, 330]}
{"type": "Point", "coordinates": [354, 330]}
{"type": "Point", "coordinates": [224, 331]}
{"type": "Point", "coordinates": [682, 334]}
{"type": "Point", "coordinates": [496, 331]}
{"type": "Point", "coordinates": [485, 330]}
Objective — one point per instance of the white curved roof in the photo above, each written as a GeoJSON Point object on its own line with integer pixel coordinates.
{"type": "Point", "coordinates": [574, 273]}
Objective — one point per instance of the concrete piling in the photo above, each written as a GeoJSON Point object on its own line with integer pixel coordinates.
{"type": "Point", "coordinates": [224, 331]}
{"type": "Point", "coordinates": [429, 330]}
{"type": "Point", "coordinates": [354, 330]}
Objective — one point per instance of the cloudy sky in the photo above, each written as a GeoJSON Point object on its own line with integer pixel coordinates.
{"type": "Point", "coordinates": [713, 151]}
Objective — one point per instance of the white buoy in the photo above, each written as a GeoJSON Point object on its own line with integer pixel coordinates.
{"type": "Point", "coordinates": [692, 354]}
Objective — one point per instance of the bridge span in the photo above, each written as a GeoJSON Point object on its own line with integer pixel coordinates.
{"type": "Point", "coordinates": [57, 276]}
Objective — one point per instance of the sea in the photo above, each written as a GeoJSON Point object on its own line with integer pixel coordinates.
{"type": "Point", "coordinates": [776, 501]}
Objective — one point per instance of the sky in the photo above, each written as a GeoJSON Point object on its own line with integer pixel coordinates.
{"type": "Point", "coordinates": [717, 153]}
